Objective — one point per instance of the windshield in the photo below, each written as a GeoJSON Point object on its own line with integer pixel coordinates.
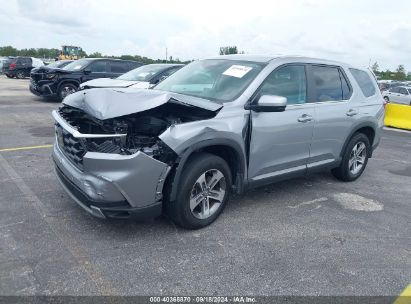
{"type": "Point", "coordinates": [144, 73]}
{"type": "Point", "coordinates": [216, 79]}
{"type": "Point", "coordinates": [77, 65]}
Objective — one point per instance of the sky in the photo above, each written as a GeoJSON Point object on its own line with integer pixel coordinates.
{"type": "Point", "coordinates": [353, 31]}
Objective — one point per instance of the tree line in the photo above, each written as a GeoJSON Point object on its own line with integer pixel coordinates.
{"type": "Point", "coordinates": [54, 53]}
{"type": "Point", "coordinates": [398, 74]}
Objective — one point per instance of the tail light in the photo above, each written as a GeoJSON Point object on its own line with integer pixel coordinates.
{"type": "Point", "coordinates": [12, 66]}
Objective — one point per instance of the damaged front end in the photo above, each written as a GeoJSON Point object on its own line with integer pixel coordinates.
{"type": "Point", "coordinates": [116, 166]}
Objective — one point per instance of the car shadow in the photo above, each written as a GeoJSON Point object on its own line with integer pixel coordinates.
{"type": "Point", "coordinates": [262, 196]}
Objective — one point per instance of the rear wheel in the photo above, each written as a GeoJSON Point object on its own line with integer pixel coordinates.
{"type": "Point", "coordinates": [66, 89]}
{"type": "Point", "coordinates": [202, 193]}
{"type": "Point", "coordinates": [355, 158]}
{"type": "Point", "coordinates": [9, 76]}
{"type": "Point", "coordinates": [20, 75]}
{"type": "Point", "coordinates": [386, 98]}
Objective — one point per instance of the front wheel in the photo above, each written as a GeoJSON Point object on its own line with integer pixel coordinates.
{"type": "Point", "coordinates": [355, 158]}
{"type": "Point", "coordinates": [202, 193]}
{"type": "Point", "coordinates": [386, 99]}
{"type": "Point", "coordinates": [66, 89]}
{"type": "Point", "coordinates": [20, 75]}
{"type": "Point", "coordinates": [9, 76]}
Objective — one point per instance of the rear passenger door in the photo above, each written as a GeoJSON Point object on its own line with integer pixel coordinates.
{"type": "Point", "coordinates": [394, 94]}
{"type": "Point", "coordinates": [404, 98]}
{"type": "Point", "coordinates": [330, 91]}
{"type": "Point", "coordinates": [26, 65]}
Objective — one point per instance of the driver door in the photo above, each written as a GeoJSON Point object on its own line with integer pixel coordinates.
{"type": "Point", "coordinates": [280, 141]}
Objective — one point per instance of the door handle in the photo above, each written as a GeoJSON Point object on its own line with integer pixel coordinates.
{"type": "Point", "coordinates": [351, 112]}
{"type": "Point", "coordinates": [305, 118]}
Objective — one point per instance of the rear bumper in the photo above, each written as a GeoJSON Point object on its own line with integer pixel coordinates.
{"type": "Point", "coordinates": [10, 72]}
{"type": "Point", "coordinates": [114, 186]}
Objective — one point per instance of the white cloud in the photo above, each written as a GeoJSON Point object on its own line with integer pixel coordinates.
{"type": "Point", "coordinates": [352, 31]}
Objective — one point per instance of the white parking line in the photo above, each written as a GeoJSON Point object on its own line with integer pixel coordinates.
{"type": "Point", "coordinates": [73, 246]}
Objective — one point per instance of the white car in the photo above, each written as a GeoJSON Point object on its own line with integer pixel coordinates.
{"type": "Point", "coordinates": [401, 95]}
{"type": "Point", "coordinates": [143, 77]}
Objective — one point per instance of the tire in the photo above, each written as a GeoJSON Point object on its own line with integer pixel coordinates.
{"type": "Point", "coordinates": [20, 75]}
{"type": "Point", "coordinates": [386, 99]}
{"type": "Point", "coordinates": [189, 213]}
{"type": "Point", "coordinates": [66, 89]}
{"type": "Point", "coordinates": [9, 76]}
{"type": "Point", "coordinates": [349, 169]}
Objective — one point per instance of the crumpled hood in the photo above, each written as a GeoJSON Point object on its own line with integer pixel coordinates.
{"type": "Point", "coordinates": [46, 69]}
{"type": "Point", "coordinates": [106, 103]}
{"type": "Point", "coordinates": [108, 83]}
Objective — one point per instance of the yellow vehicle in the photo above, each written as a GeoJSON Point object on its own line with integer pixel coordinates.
{"type": "Point", "coordinates": [69, 52]}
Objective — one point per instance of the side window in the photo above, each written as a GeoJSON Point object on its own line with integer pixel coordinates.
{"type": "Point", "coordinates": [364, 81]}
{"type": "Point", "coordinates": [395, 90]}
{"type": "Point", "coordinates": [328, 84]}
{"type": "Point", "coordinates": [403, 91]}
{"type": "Point", "coordinates": [120, 67]}
{"type": "Point", "coordinates": [287, 81]}
{"type": "Point", "coordinates": [98, 66]}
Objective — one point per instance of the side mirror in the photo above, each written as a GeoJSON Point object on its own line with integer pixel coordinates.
{"type": "Point", "coordinates": [269, 103]}
{"type": "Point", "coordinates": [87, 71]}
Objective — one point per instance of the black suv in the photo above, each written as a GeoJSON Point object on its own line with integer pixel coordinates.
{"type": "Point", "coordinates": [20, 67]}
{"type": "Point", "coordinates": [52, 82]}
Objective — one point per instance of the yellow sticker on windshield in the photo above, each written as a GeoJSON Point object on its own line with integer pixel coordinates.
{"type": "Point", "coordinates": [237, 71]}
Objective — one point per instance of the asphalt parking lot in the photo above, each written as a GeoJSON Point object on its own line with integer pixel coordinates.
{"type": "Point", "coordinates": [307, 236]}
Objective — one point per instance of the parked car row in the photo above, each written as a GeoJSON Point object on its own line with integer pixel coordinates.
{"type": "Point", "coordinates": [400, 94]}
{"type": "Point", "coordinates": [2, 61]}
{"type": "Point", "coordinates": [59, 82]}
{"type": "Point", "coordinates": [20, 67]}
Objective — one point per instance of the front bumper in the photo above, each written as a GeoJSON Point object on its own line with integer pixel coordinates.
{"type": "Point", "coordinates": [112, 185]}
{"type": "Point", "coordinates": [42, 90]}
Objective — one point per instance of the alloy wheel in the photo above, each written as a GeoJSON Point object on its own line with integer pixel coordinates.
{"type": "Point", "coordinates": [357, 158]}
{"type": "Point", "coordinates": [207, 194]}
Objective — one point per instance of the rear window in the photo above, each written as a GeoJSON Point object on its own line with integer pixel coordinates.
{"type": "Point", "coordinates": [133, 65]}
{"type": "Point", "coordinates": [364, 81]}
{"type": "Point", "coordinates": [119, 67]}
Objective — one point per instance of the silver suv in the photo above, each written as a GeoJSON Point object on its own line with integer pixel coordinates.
{"type": "Point", "coordinates": [216, 126]}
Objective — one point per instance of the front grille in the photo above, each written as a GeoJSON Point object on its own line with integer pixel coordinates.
{"type": "Point", "coordinates": [73, 148]}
